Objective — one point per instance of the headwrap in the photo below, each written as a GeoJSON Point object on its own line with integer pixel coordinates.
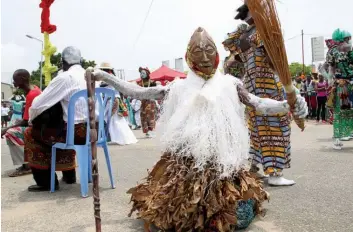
{"type": "Point", "coordinates": [147, 71]}
{"type": "Point", "coordinates": [330, 43]}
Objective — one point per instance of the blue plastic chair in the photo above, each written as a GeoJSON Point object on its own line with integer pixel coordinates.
{"type": "Point", "coordinates": [104, 98]}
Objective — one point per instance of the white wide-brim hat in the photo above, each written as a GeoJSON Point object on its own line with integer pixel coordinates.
{"type": "Point", "coordinates": [105, 65]}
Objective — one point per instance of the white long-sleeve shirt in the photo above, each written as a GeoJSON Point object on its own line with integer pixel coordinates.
{"type": "Point", "coordinates": [61, 88]}
{"type": "Point", "coordinates": [136, 105]}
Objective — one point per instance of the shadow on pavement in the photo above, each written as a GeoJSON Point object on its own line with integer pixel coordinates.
{"type": "Point", "coordinates": [66, 194]}
{"type": "Point", "coordinates": [131, 224]}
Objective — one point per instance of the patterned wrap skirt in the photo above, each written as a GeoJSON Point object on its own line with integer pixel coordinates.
{"type": "Point", "coordinates": [38, 144]}
{"type": "Point", "coordinates": [148, 115]}
{"type": "Point", "coordinates": [269, 134]}
{"type": "Point", "coordinates": [343, 111]}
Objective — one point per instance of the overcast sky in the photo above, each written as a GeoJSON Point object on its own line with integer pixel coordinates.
{"type": "Point", "coordinates": [106, 30]}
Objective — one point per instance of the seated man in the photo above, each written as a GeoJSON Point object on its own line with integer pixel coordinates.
{"type": "Point", "coordinates": [51, 129]}
{"type": "Point", "coordinates": [15, 133]}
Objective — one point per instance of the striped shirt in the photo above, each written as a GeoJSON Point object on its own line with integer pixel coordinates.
{"type": "Point", "coordinates": [61, 88]}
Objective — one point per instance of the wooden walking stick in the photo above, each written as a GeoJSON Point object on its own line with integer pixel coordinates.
{"type": "Point", "coordinates": [267, 24]}
{"type": "Point", "coordinates": [93, 136]}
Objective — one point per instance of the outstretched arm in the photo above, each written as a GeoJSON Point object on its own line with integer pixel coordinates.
{"type": "Point", "coordinates": [129, 89]}
{"type": "Point", "coordinates": [263, 105]}
{"type": "Point", "coordinates": [270, 106]}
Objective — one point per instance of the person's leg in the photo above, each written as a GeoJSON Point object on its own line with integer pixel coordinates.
{"type": "Point", "coordinates": [323, 112]}
{"type": "Point", "coordinates": [37, 154]}
{"type": "Point", "coordinates": [320, 101]}
{"type": "Point", "coordinates": [277, 152]}
{"type": "Point", "coordinates": [69, 176]}
{"type": "Point", "coordinates": [17, 156]}
{"type": "Point", "coordinates": [138, 119]}
{"type": "Point", "coordinates": [313, 105]}
{"type": "Point", "coordinates": [42, 179]}
{"type": "Point", "coordinates": [14, 139]}
{"type": "Point", "coordinates": [318, 109]}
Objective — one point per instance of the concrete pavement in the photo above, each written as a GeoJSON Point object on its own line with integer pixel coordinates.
{"type": "Point", "coordinates": [322, 199]}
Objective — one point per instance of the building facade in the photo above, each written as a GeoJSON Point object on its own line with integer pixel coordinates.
{"type": "Point", "coordinates": [6, 91]}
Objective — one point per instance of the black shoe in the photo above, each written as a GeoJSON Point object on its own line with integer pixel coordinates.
{"type": "Point", "coordinates": [69, 180]}
{"type": "Point", "coordinates": [36, 188]}
{"type": "Point", "coordinates": [69, 177]}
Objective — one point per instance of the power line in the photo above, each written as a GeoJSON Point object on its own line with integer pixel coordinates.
{"type": "Point", "coordinates": [143, 24]}
{"type": "Point", "coordinates": [292, 37]}
{"type": "Point", "coordinates": [318, 35]}
{"type": "Point", "coordinates": [305, 35]}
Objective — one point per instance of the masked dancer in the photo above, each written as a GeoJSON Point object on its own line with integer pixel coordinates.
{"type": "Point", "coordinates": [200, 182]}
{"type": "Point", "coordinates": [339, 59]}
{"type": "Point", "coordinates": [148, 107]}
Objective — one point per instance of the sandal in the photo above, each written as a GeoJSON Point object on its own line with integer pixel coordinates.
{"type": "Point", "coordinates": [20, 172]}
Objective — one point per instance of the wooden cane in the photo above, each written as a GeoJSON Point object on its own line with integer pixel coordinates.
{"type": "Point", "coordinates": [93, 139]}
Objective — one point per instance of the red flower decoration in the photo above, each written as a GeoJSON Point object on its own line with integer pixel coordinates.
{"type": "Point", "coordinates": [45, 24]}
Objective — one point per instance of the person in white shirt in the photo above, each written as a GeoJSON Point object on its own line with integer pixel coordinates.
{"type": "Point", "coordinates": [52, 105]}
{"type": "Point", "coordinates": [136, 107]}
{"type": "Point", "coordinates": [119, 130]}
{"type": "Point", "coordinates": [4, 115]}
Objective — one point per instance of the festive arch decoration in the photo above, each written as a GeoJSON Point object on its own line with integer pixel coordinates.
{"type": "Point", "coordinates": [49, 49]}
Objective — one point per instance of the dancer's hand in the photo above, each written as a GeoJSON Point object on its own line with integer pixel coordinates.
{"type": "Point", "coordinates": [301, 108]}
{"type": "Point", "coordinates": [97, 74]}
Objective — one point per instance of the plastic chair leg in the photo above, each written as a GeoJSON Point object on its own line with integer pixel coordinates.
{"type": "Point", "coordinates": [81, 153]}
{"type": "Point", "coordinates": [109, 165]}
{"type": "Point", "coordinates": [52, 171]}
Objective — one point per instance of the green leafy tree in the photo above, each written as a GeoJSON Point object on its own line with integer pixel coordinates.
{"type": "Point", "coordinates": [296, 69]}
{"type": "Point", "coordinates": [56, 60]}
{"type": "Point", "coordinates": [88, 63]}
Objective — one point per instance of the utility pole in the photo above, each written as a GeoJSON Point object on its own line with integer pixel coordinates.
{"type": "Point", "coordinates": [303, 52]}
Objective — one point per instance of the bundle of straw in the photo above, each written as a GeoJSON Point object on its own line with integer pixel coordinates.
{"type": "Point", "coordinates": [266, 20]}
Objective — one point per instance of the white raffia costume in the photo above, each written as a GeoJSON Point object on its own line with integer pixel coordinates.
{"type": "Point", "coordinates": [201, 182]}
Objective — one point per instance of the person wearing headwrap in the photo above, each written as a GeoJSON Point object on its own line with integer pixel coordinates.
{"type": "Point", "coordinates": [339, 59]}
{"type": "Point", "coordinates": [148, 107]}
{"type": "Point", "coordinates": [119, 130]}
{"type": "Point", "coordinates": [48, 115]}
{"type": "Point", "coordinates": [270, 133]}
{"type": "Point", "coordinates": [201, 181]}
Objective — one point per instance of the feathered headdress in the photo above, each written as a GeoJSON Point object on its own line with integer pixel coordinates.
{"type": "Point", "coordinates": [340, 35]}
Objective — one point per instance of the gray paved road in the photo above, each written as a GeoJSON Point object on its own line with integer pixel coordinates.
{"type": "Point", "coordinates": [322, 199]}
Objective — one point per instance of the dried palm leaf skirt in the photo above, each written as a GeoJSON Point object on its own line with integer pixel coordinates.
{"type": "Point", "coordinates": [177, 197]}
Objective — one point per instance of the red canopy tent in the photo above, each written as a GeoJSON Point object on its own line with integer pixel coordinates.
{"type": "Point", "coordinates": [164, 74]}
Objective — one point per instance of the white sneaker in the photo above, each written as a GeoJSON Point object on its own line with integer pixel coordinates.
{"type": "Point", "coordinates": [337, 146]}
{"type": "Point", "coordinates": [345, 138]}
{"type": "Point", "coordinates": [151, 134]}
{"type": "Point", "coordinates": [280, 181]}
